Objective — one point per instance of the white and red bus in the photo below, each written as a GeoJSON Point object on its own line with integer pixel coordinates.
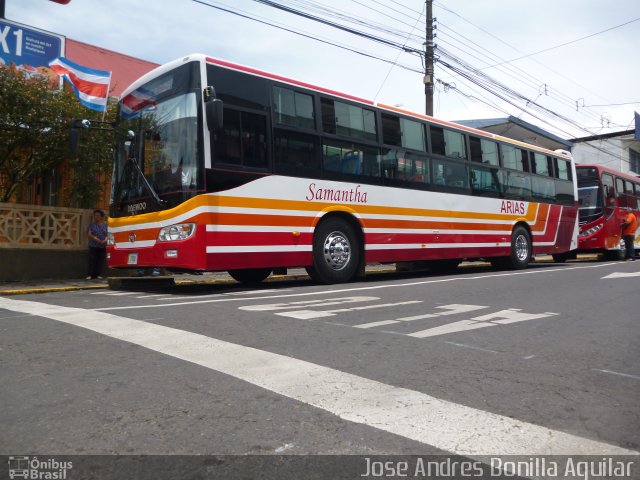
{"type": "Point", "coordinates": [605, 197]}
{"type": "Point", "coordinates": [225, 167]}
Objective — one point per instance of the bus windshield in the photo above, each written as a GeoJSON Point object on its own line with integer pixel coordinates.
{"type": "Point", "coordinates": [162, 164]}
{"type": "Point", "coordinates": [590, 201]}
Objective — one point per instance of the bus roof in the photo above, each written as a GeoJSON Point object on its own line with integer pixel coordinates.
{"type": "Point", "coordinates": [613, 171]}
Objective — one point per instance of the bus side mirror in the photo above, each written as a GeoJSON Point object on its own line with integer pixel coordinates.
{"type": "Point", "coordinates": [213, 109]}
{"type": "Point", "coordinates": [215, 117]}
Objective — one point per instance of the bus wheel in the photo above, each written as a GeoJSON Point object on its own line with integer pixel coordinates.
{"type": "Point", "coordinates": [521, 248]}
{"type": "Point", "coordinates": [336, 252]}
{"type": "Point", "coordinates": [250, 276]}
{"type": "Point", "coordinates": [521, 251]}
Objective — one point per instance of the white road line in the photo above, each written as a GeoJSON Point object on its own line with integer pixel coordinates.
{"type": "Point", "coordinates": [503, 317]}
{"type": "Point", "coordinates": [360, 289]}
{"type": "Point", "coordinates": [376, 324]}
{"type": "Point", "coordinates": [461, 326]}
{"type": "Point", "coordinates": [310, 314]}
{"type": "Point", "coordinates": [627, 375]}
{"type": "Point", "coordinates": [415, 415]}
{"type": "Point", "coordinates": [198, 297]}
{"type": "Point", "coordinates": [320, 302]}
{"type": "Point", "coordinates": [471, 347]}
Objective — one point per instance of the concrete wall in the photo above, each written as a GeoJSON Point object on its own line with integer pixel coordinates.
{"type": "Point", "coordinates": [37, 264]}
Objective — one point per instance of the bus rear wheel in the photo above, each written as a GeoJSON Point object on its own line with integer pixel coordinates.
{"type": "Point", "coordinates": [336, 252]}
{"type": "Point", "coordinates": [521, 251]}
{"type": "Point", "coordinates": [250, 276]}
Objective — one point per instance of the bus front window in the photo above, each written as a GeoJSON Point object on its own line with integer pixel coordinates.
{"type": "Point", "coordinates": [590, 200]}
{"type": "Point", "coordinates": [161, 164]}
{"type": "Point", "coordinates": [170, 145]}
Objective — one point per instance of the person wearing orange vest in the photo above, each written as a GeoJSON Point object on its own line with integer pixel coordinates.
{"type": "Point", "coordinates": [629, 227]}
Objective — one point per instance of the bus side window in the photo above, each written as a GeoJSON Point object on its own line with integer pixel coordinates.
{"type": "Point", "coordinates": [622, 201]}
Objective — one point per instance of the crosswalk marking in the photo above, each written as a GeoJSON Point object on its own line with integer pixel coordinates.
{"type": "Point", "coordinates": [415, 415]}
{"type": "Point", "coordinates": [451, 309]}
{"type": "Point", "coordinates": [503, 317]}
{"type": "Point", "coordinates": [310, 314]}
{"type": "Point", "coordinates": [288, 305]}
{"type": "Point", "coordinates": [381, 323]}
{"type": "Point", "coordinates": [460, 326]}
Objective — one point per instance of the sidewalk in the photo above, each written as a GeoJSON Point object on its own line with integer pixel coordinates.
{"type": "Point", "coordinates": [66, 285]}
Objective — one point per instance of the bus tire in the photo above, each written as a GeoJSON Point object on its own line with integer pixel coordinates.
{"type": "Point", "coordinates": [521, 248]}
{"type": "Point", "coordinates": [336, 252]}
{"type": "Point", "coordinates": [521, 251]}
{"type": "Point", "coordinates": [250, 276]}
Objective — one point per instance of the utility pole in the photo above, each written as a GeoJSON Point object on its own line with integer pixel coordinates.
{"type": "Point", "coordinates": [428, 60]}
{"type": "Point", "coordinates": [1, 8]}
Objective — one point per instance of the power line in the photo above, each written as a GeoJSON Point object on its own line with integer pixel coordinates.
{"type": "Point", "coordinates": [568, 43]}
{"type": "Point", "coordinates": [302, 34]}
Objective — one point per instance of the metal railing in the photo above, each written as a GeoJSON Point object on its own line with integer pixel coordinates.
{"type": "Point", "coordinates": [37, 226]}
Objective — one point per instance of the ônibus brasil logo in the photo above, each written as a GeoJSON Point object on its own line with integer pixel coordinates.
{"type": "Point", "coordinates": [36, 469]}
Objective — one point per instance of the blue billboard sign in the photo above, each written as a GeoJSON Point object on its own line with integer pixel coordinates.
{"type": "Point", "coordinates": [28, 48]}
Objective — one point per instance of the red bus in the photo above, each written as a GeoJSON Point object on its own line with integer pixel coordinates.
{"type": "Point", "coordinates": [225, 167]}
{"type": "Point", "coordinates": [605, 197]}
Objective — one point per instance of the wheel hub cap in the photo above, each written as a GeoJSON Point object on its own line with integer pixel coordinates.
{"type": "Point", "coordinates": [337, 250]}
{"type": "Point", "coordinates": [522, 248]}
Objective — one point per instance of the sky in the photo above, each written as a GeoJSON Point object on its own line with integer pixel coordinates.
{"type": "Point", "coordinates": [583, 88]}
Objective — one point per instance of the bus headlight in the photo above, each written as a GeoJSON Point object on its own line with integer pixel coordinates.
{"type": "Point", "coordinates": [180, 231]}
{"type": "Point", "coordinates": [111, 239]}
{"type": "Point", "coordinates": [591, 231]}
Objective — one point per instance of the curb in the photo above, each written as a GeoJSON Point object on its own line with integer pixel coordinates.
{"type": "Point", "coordinates": [25, 291]}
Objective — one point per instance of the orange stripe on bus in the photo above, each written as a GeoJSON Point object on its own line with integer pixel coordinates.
{"type": "Point", "coordinates": [212, 201]}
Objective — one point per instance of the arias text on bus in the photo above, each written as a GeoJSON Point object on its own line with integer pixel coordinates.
{"type": "Point", "coordinates": [352, 195]}
{"type": "Point", "coordinates": [512, 207]}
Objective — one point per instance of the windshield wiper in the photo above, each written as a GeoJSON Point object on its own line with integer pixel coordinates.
{"type": "Point", "coordinates": [146, 183]}
{"type": "Point", "coordinates": [132, 159]}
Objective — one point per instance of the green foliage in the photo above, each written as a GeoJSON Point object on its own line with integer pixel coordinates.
{"type": "Point", "coordinates": [35, 125]}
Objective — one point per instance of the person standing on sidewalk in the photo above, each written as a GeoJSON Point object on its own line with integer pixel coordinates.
{"type": "Point", "coordinates": [97, 234]}
{"type": "Point", "coordinates": [629, 227]}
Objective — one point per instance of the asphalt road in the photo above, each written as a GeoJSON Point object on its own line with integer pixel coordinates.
{"type": "Point", "coordinates": [540, 361]}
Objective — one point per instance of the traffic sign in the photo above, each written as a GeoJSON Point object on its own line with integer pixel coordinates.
{"type": "Point", "coordinates": [28, 48]}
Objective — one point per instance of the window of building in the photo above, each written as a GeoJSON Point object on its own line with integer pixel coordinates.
{"type": "Point", "coordinates": [634, 161]}
{"type": "Point", "coordinates": [484, 151]}
{"type": "Point", "coordinates": [348, 120]}
{"type": "Point", "coordinates": [293, 108]}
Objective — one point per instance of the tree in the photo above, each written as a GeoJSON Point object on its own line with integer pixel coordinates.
{"type": "Point", "coordinates": [35, 124]}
